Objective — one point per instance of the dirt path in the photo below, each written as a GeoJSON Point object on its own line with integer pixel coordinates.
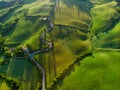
{"type": "Point", "coordinates": [50, 46]}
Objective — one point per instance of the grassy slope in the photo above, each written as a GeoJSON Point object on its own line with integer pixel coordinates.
{"type": "Point", "coordinates": [68, 42]}
{"type": "Point", "coordinates": [25, 30]}
{"type": "Point", "coordinates": [112, 38]}
{"type": "Point", "coordinates": [64, 36]}
{"type": "Point", "coordinates": [101, 20]}
{"type": "Point", "coordinates": [82, 77]}
{"type": "Point", "coordinates": [4, 86]}
{"type": "Point", "coordinates": [75, 13]}
{"type": "Point", "coordinates": [98, 73]}
{"type": "Point", "coordinates": [65, 50]}
{"type": "Point", "coordinates": [22, 70]}
{"type": "Point", "coordinates": [28, 29]}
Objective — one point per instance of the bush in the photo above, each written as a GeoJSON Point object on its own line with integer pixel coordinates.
{"type": "Point", "coordinates": [7, 54]}
{"type": "Point", "coordinates": [1, 61]}
{"type": "Point", "coordinates": [19, 52]}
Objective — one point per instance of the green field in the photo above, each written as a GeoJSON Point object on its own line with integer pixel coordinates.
{"type": "Point", "coordinates": [112, 38]}
{"type": "Point", "coordinates": [97, 72]}
{"type": "Point", "coordinates": [4, 86]}
{"type": "Point", "coordinates": [80, 27]}
{"type": "Point", "coordinates": [102, 20]}
{"type": "Point", "coordinates": [24, 71]}
{"type": "Point", "coordinates": [29, 26]}
{"type": "Point", "coordinates": [75, 13]}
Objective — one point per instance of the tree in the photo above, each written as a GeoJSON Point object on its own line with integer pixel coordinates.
{"type": "Point", "coordinates": [7, 54]}
{"type": "Point", "coordinates": [19, 52]}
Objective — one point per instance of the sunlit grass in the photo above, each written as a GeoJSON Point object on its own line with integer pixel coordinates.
{"type": "Point", "coordinates": [102, 14]}
{"type": "Point", "coordinates": [4, 86]}
{"type": "Point", "coordinates": [110, 39]}
{"type": "Point", "coordinates": [98, 73]}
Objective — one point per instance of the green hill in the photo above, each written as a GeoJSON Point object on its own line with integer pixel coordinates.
{"type": "Point", "coordinates": [100, 72]}
{"type": "Point", "coordinates": [86, 30]}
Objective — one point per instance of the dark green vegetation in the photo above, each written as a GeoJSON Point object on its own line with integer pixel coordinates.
{"type": "Point", "coordinates": [80, 27]}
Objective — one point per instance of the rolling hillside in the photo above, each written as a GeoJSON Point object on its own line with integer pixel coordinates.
{"type": "Point", "coordinates": [86, 30]}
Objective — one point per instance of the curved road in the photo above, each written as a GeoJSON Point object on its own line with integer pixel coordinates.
{"type": "Point", "coordinates": [50, 46]}
{"type": "Point", "coordinates": [31, 55]}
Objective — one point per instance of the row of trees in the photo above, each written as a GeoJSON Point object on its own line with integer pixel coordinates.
{"type": "Point", "coordinates": [2, 40]}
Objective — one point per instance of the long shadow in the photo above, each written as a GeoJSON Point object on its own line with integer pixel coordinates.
{"type": "Point", "coordinates": [7, 4]}
{"type": "Point", "coordinates": [113, 23]}
{"type": "Point", "coordinates": [10, 28]}
{"type": "Point", "coordinates": [82, 5]}
{"type": "Point", "coordinates": [8, 15]}
{"type": "Point", "coordinates": [110, 43]}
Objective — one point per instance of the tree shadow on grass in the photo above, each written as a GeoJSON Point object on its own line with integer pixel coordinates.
{"type": "Point", "coordinates": [82, 5]}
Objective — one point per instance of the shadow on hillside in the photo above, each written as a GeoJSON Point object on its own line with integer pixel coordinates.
{"type": "Point", "coordinates": [63, 32]}
{"type": "Point", "coordinates": [82, 5]}
{"type": "Point", "coordinates": [9, 14]}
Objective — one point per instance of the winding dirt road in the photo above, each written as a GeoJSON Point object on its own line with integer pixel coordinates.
{"type": "Point", "coordinates": [31, 55]}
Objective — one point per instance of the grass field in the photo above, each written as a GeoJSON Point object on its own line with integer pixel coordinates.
{"type": "Point", "coordinates": [4, 86]}
{"type": "Point", "coordinates": [74, 13]}
{"type": "Point", "coordinates": [71, 36]}
{"type": "Point", "coordinates": [28, 27]}
{"type": "Point", "coordinates": [65, 50]}
{"type": "Point", "coordinates": [112, 38]}
{"type": "Point", "coordinates": [24, 71]}
{"type": "Point", "coordinates": [100, 72]}
{"type": "Point", "coordinates": [69, 40]}
{"type": "Point", "coordinates": [102, 20]}
{"type": "Point", "coordinates": [82, 77]}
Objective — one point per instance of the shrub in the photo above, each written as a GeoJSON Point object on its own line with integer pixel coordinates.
{"type": "Point", "coordinates": [1, 61]}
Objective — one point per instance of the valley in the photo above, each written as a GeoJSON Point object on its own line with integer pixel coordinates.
{"type": "Point", "coordinates": [59, 44]}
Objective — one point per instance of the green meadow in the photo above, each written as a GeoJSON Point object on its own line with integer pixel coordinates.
{"type": "Point", "coordinates": [4, 86]}
{"type": "Point", "coordinates": [112, 38]}
{"type": "Point", "coordinates": [103, 16]}
{"type": "Point", "coordinates": [24, 71]}
{"type": "Point", "coordinates": [80, 27]}
{"type": "Point", "coordinates": [97, 72]}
